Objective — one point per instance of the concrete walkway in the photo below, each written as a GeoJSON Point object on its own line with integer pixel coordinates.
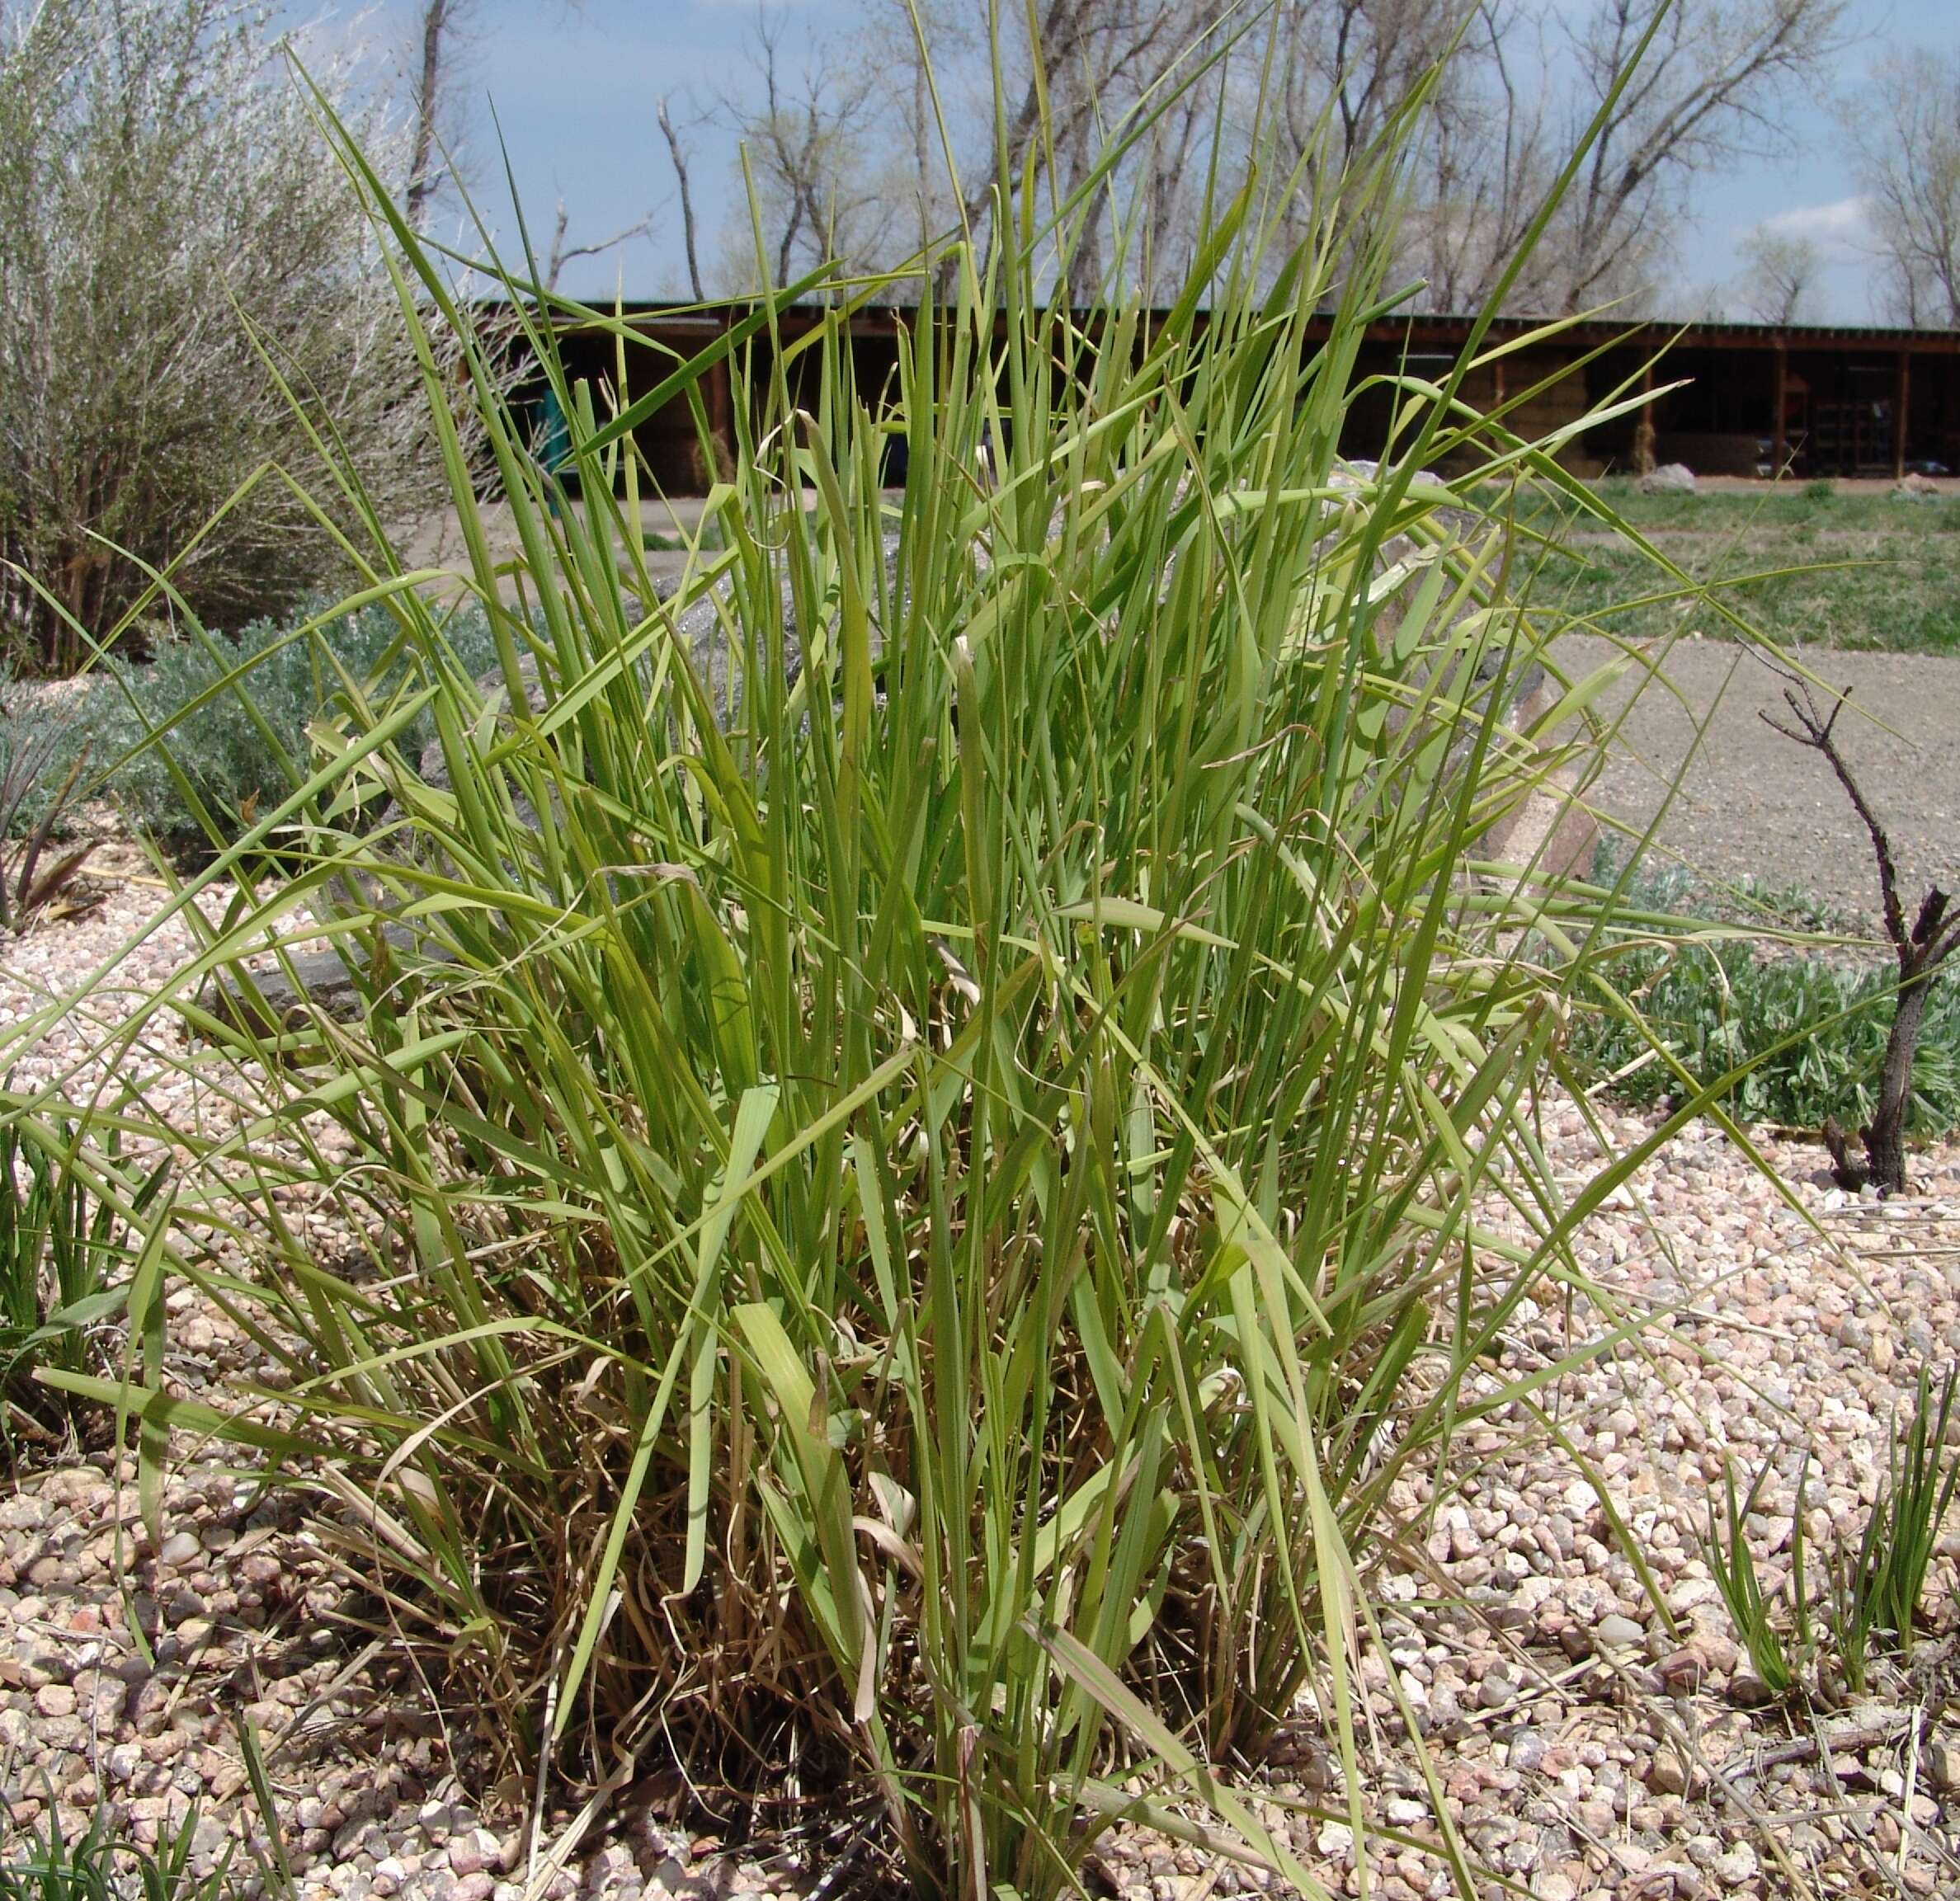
{"type": "Point", "coordinates": [1753, 803]}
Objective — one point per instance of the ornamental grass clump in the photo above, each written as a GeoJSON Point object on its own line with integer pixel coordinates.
{"type": "Point", "coordinates": [910, 1165]}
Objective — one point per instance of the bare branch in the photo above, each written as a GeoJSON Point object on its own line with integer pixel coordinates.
{"type": "Point", "coordinates": [1707, 90]}
{"type": "Point", "coordinates": [563, 254]}
{"type": "Point", "coordinates": [1817, 733]}
{"type": "Point", "coordinates": [424, 176]}
{"type": "Point", "coordinates": [677, 155]}
{"type": "Point", "coordinates": [1920, 953]}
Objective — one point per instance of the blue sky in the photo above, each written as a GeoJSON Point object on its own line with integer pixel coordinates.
{"type": "Point", "coordinates": [573, 90]}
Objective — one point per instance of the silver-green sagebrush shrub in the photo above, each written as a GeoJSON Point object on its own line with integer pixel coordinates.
{"type": "Point", "coordinates": [207, 732]}
{"type": "Point", "coordinates": [910, 1164]}
{"type": "Point", "coordinates": [176, 243]}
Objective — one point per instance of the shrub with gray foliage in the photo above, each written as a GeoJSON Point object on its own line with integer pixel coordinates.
{"type": "Point", "coordinates": [160, 175]}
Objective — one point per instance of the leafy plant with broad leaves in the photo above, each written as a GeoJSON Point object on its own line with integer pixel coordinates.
{"type": "Point", "coordinates": [919, 1164]}
{"type": "Point", "coordinates": [1745, 991]}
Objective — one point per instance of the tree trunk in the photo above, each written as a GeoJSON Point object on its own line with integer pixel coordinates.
{"type": "Point", "coordinates": [678, 155]}
{"type": "Point", "coordinates": [1885, 1139]}
{"type": "Point", "coordinates": [428, 97]}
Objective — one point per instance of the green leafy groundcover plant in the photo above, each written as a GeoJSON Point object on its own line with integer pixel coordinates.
{"type": "Point", "coordinates": [1805, 1032]}
{"type": "Point", "coordinates": [911, 1180]}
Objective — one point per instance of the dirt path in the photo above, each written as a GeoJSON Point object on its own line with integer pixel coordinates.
{"type": "Point", "coordinates": [1754, 804]}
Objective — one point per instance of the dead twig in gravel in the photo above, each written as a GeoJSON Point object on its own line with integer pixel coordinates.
{"type": "Point", "coordinates": [1819, 1746]}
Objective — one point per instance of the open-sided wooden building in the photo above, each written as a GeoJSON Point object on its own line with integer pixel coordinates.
{"type": "Point", "coordinates": [1722, 398]}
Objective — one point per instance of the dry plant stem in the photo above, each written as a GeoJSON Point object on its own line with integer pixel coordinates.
{"type": "Point", "coordinates": [1920, 950]}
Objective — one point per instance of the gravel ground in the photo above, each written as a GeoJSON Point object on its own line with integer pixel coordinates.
{"type": "Point", "coordinates": [1584, 1748]}
{"type": "Point", "coordinates": [1756, 805]}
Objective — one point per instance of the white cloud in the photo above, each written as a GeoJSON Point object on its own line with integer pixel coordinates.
{"type": "Point", "coordinates": [1841, 225]}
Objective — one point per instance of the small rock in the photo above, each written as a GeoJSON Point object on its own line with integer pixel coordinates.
{"type": "Point", "coordinates": [180, 1548]}
{"type": "Point", "coordinates": [1667, 1778]}
{"type": "Point", "coordinates": [1747, 1690]}
{"type": "Point", "coordinates": [1735, 1866]}
{"type": "Point", "coordinates": [1617, 1633]}
{"type": "Point", "coordinates": [472, 1853]}
{"type": "Point", "coordinates": [1683, 1672]}
{"type": "Point", "coordinates": [1528, 1750]}
{"type": "Point", "coordinates": [1670, 478]}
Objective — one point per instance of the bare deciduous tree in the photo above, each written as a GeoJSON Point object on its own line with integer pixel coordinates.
{"type": "Point", "coordinates": [1706, 91]}
{"type": "Point", "coordinates": [1782, 271]}
{"type": "Point", "coordinates": [437, 136]}
{"type": "Point", "coordinates": [1920, 948]}
{"type": "Point", "coordinates": [1070, 71]}
{"type": "Point", "coordinates": [863, 146]}
{"type": "Point", "coordinates": [806, 129]}
{"type": "Point", "coordinates": [1905, 133]}
{"type": "Point", "coordinates": [436, 24]}
{"type": "Point", "coordinates": [1487, 164]}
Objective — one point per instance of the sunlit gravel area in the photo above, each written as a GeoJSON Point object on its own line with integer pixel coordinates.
{"type": "Point", "coordinates": [1585, 1745]}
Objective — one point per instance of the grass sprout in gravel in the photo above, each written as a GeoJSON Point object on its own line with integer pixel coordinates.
{"type": "Point", "coordinates": [100, 1867]}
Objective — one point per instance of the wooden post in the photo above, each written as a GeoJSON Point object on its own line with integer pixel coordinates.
{"type": "Point", "coordinates": [1902, 397]}
{"type": "Point", "coordinates": [721, 418]}
{"type": "Point", "coordinates": [1778, 447]}
{"type": "Point", "coordinates": [1643, 430]}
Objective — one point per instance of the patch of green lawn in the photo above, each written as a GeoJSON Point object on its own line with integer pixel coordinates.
{"type": "Point", "coordinates": [1878, 571]}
